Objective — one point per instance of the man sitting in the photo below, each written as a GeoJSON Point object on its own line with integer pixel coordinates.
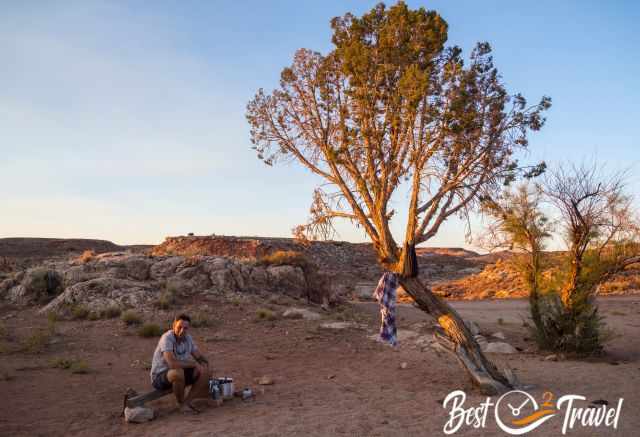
{"type": "Point", "coordinates": [177, 362]}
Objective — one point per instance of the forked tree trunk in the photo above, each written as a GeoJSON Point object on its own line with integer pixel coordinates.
{"type": "Point", "coordinates": [457, 338]}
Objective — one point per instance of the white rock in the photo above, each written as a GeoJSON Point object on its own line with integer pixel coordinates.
{"type": "Point", "coordinates": [500, 348]}
{"type": "Point", "coordinates": [138, 414]}
{"type": "Point", "coordinates": [338, 325]}
{"type": "Point", "coordinates": [301, 312]}
{"type": "Point", "coordinates": [405, 334]}
{"type": "Point", "coordinates": [499, 335]}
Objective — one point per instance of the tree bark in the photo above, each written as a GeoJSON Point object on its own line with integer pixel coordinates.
{"type": "Point", "coordinates": [457, 338]}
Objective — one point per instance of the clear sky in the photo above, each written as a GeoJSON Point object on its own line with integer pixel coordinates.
{"type": "Point", "coordinates": [124, 120]}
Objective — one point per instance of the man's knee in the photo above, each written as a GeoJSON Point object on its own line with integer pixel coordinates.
{"type": "Point", "coordinates": [175, 375]}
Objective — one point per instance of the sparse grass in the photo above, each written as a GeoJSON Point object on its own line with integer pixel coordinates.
{"type": "Point", "coordinates": [150, 330]}
{"type": "Point", "coordinates": [61, 363]}
{"type": "Point", "coordinates": [52, 317]}
{"type": "Point", "coordinates": [87, 256]}
{"type": "Point", "coordinates": [37, 341]}
{"type": "Point", "coordinates": [172, 287]}
{"type": "Point", "coordinates": [235, 301]}
{"type": "Point", "coordinates": [346, 313]}
{"type": "Point", "coordinates": [79, 312]}
{"type": "Point", "coordinates": [110, 312]}
{"type": "Point", "coordinates": [77, 366]}
{"type": "Point", "coordinates": [130, 317]}
{"type": "Point", "coordinates": [265, 314]}
{"type": "Point", "coordinates": [199, 319]}
{"type": "Point", "coordinates": [501, 321]}
{"type": "Point", "coordinates": [4, 335]}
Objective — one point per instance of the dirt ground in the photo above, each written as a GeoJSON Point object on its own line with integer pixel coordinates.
{"type": "Point", "coordinates": [327, 382]}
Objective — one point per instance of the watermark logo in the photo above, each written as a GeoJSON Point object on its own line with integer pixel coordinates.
{"type": "Point", "coordinates": [517, 412]}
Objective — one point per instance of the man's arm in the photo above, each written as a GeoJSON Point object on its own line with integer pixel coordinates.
{"type": "Point", "coordinates": [199, 357]}
{"type": "Point", "coordinates": [175, 363]}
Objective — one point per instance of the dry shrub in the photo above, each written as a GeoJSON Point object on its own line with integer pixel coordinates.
{"type": "Point", "coordinates": [87, 256]}
{"type": "Point", "coordinates": [37, 341]}
{"type": "Point", "coordinates": [131, 317]}
{"type": "Point", "coordinates": [110, 312]}
{"type": "Point", "coordinates": [265, 314]}
{"type": "Point", "coordinates": [80, 312]}
{"type": "Point", "coordinates": [166, 300]}
{"type": "Point", "coordinates": [285, 257]}
{"type": "Point", "coordinates": [150, 330]}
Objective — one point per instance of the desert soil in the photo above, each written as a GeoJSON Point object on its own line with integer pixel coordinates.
{"type": "Point", "coordinates": [326, 382]}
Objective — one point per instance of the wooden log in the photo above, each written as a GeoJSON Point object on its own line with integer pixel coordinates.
{"type": "Point", "coordinates": [139, 400]}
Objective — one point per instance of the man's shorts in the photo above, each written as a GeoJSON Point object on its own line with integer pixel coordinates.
{"type": "Point", "coordinates": [160, 382]}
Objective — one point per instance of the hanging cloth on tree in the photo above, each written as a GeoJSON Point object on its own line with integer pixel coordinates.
{"type": "Point", "coordinates": [385, 294]}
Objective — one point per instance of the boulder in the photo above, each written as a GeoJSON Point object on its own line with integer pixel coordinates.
{"type": "Point", "coordinates": [288, 280]}
{"type": "Point", "coordinates": [101, 293]}
{"type": "Point", "coordinates": [222, 281]}
{"type": "Point", "coordinates": [37, 285]}
{"type": "Point", "coordinates": [80, 273]}
{"type": "Point", "coordinates": [213, 263]}
{"type": "Point", "coordinates": [138, 414]}
{"type": "Point", "coordinates": [137, 267]}
{"type": "Point", "coordinates": [191, 280]}
{"type": "Point", "coordinates": [302, 313]}
{"type": "Point", "coordinates": [258, 279]}
{"type": "Point", "coordinates": [340, 325]}
{"type": "Point", "coordinates": [500, 348]}
{"type": "Point", "coordinates": [164, 268]}
{"type": "Point", "coordinates": [499, 335]}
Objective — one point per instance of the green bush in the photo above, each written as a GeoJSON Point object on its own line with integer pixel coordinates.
{"type": "Point", "coordinates": [150, 330]}
{"type": "Point", "coordinates": [130, 317]}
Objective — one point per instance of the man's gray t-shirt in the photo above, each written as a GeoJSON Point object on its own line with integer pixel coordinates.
{"type": "Point", "coordinates": [169, 343]}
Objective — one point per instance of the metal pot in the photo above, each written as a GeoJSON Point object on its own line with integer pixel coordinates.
{"type": "Point", "coordinates": [214, 389]}
{"type": "Point", "coordinates": [226, 387]}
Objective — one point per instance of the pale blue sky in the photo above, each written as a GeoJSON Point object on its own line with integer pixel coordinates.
{"type": "Point", "coordinates": [125, 121]}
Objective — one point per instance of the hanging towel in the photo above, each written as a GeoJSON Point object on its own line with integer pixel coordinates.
{"type": "Point", "coordinates": [385, 294]}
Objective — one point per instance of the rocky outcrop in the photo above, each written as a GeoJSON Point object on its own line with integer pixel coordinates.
{"type": "Point", "coordinates": [130, 280]}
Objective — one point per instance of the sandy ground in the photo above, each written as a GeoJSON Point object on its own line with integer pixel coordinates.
{"type": "Point", "coordinates": [327, 382]}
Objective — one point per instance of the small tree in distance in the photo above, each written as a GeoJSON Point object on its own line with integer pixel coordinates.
{"type": "Point", "coordinates": [602, 238]}
{"type": "Point", "coordinates": [518, 224]}
{"type": "Point", "coordinates": [390, 104]}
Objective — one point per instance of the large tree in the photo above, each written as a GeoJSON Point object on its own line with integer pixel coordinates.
{"type": "Point", "coordinates": [390, 110]}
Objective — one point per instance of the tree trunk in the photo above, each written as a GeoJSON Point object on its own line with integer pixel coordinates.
{"type": "Point", "coordinates": [457, 338]}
